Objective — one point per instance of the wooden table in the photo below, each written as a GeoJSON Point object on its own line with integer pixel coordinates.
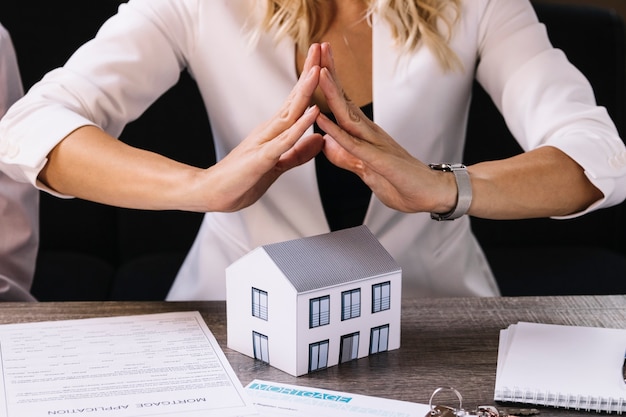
{"type": "Point", "coordinates": [445, 342]}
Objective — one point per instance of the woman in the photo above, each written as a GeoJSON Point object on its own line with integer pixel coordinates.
{"type": "Point", "coordinates": [267, 76]}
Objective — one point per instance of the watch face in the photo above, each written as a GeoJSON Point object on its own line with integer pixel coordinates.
{"type": "Point", "coordinates": [441, 167]}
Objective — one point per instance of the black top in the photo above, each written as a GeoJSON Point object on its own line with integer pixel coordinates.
{"type": "Point", "coordinates": [345, 197]}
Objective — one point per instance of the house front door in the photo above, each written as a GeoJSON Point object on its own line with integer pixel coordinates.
{"type": "Point", "coordinates": [261, 349]}
{"type": "Point", "coordinates": [379, 339]}
{"type": "Point", "coordinates": [318, 355]}
{"type": "Point", "coordinates": [349, 349]}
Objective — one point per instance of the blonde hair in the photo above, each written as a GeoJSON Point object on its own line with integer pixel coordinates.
{"type": "Point", "coordinates": [412, 22]}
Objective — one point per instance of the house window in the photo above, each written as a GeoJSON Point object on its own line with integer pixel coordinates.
{"type": "Point", "coordinates": [319, 311]}
{"type": "Point", "coordinates": [318, 355]}
{"type": "Point", "coordinates": [349, 349]}
{"type": "Point", "coordinates": [259, 303]}
{"type": "Point", "coordinates": [381, 297]}
{"type": "Point", "coordinates": [261, 347]}
{"type": "Point", "coordinates": [350, 304]}
{"type": "Point", "coordinates": [379, 339]}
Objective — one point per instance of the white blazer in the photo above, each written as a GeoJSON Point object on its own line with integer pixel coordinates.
{"type": "Point", "coordinates": [543, 98]}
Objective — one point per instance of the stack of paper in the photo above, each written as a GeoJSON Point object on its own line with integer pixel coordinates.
{"type": "Point", "coordinates": [562, 366]}
{"type": "Point", "coordinates": [135, 366]}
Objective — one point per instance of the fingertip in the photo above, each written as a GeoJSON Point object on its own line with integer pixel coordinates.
{"type": "Point", "coordinates": [327, 56]}
{"type": "Point", "coordinates": [323, 117]}
{"type": "Point", "coordinates": [311, 109]}
{"type": "Point", "coordinates": [326, 124]}
{"type": "Point", "coordinates": [309, 81]}
{"type": "Point", "coordinates": [314, 70]}
{"type": "Point", "coordinates": [313, 48]}
{"type": "Point", "coordinates": [313, 56]}
{"type": "Point", "coordinates": [327, 84]}
{"type": "Point", "coordinates": [330, 144]}
{"type": "Point", "coordinates": [325, 75]}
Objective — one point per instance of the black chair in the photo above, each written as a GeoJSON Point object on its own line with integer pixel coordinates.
{"type": "Point", "coordinates": [544, 256]}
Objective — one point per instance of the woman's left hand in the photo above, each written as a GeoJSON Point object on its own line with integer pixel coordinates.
{"type": "Point", "coordinates": [357, 144]}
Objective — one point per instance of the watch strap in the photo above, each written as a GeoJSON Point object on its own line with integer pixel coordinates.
{"type": "Point", "coordinates": [464, 191]}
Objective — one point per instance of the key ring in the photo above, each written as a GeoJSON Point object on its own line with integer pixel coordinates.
{"type": "Point", "coordinates": [480, 411]}
{"type": "Point", "coordinates": [433, 408]}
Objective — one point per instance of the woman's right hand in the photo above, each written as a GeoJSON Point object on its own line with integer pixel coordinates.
{"type": "Point", "coordinates": [243, 176]}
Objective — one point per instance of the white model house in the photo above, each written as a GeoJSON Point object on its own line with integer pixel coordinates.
{"type": "Point", "coordinates": [307, 304]}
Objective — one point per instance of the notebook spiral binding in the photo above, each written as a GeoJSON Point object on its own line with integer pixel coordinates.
{"type": "Point", "coordinates": [558, 399]}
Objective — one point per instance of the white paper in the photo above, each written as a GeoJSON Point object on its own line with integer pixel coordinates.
{"type": "Point", "coordinates": [131, 366]}
{"type": "Point", "coordinates": [275, 399]}
{"type": "Point", "coordinates": [562, 366]}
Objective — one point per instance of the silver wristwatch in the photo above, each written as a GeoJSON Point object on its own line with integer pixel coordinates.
{"type": "Point", "coordinates": [464, 191]}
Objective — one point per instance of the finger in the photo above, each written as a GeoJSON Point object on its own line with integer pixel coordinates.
{"type": "Point", "coordinates": [343, 149]}
{"type": "Point", "coordinates": [263, 163]}
{"type": "Point", "coordinates": [298, 100]}
{"type": "Point", "coordinates": [283, 142]}
{"type": "Point", "coordinates": [351, 120]}
{"type": "Point", "coordinates": [352, 144]}
{"type": "Point", "coordinates": [378, 183]}
{"type": "Point", "coordinates": [327, 60]}
{"type": "Point", "coordinates": [338, 156]}
{"type": "Point", "coordinates": [294, 106]}
{"type": "Point", "coordinates": [303, 151]}
{"type": "Point", "coordinates": [381, 186]}
{"type": "Point", "coordinates": [313, 58]}
{"type": "Point", "coordinates": [300, 95]}
{"type": "Point", "coordinates": [376, 154]}
{"type": "Point", "coordinates": [348, 115]}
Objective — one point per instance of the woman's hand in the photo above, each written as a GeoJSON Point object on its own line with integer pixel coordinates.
{"type": "Point", "coordinates": [247, 171]}
{"type": "Point", "coordinates": [359, 145]}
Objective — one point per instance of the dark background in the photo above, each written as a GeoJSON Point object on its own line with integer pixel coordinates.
{"type": "Point", "coordinates": [92, 252]}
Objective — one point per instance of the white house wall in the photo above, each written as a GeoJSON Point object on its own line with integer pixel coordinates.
{"type": "Point", "coordinates": [257, 270]}
{"type": "Point", "coordinates": [338, 328]}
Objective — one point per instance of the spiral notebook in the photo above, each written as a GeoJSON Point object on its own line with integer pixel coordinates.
{"type": "Point", "coordinates": [562, 366]}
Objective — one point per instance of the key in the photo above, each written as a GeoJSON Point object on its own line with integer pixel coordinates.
{"type": "Point", "coordinates": [519, 412]}
{"type": "Point", "coordinates": [491, 411]}
{"type": "Point", "coordinates": [444, 411]}
{"type": "Point", "coordinates": [486, 411]}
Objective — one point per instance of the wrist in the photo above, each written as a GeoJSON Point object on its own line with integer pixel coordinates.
{"type": "Point", "coordinates": [463, 191]}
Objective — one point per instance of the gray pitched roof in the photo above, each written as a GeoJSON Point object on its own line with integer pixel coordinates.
{"type": "Point", "coordinates": [331, 259]}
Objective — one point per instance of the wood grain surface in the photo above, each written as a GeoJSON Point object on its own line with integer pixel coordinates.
{"type": "Point", "coordinates": [449, 342]}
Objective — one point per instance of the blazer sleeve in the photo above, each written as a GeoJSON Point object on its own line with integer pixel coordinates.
{"type": "Point", "coordinates": [544, 99]}
{"type": "Point", "coordinates": [19, 202]}
{"type": "Point", "coordinates": [134, 58]}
